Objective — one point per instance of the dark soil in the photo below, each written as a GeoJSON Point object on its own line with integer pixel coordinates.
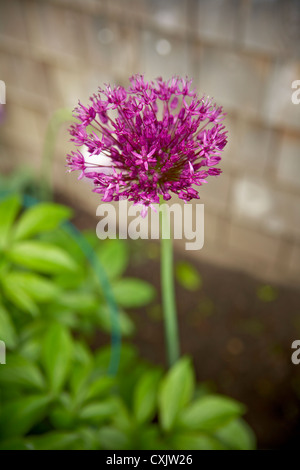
{"type": "Point", "coordinates": [239, 342]}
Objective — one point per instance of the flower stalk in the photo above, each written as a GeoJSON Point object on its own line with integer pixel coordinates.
{"type": "Point", "coordinates": [168, 291]}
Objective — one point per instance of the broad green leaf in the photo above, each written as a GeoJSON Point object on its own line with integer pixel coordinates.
{"type": "Point", "coordinates": [237, 435]}
{"type": "Point", "coordinates": [89, 438]}
{"type": "Point", "coordinates": [121, 417]}
{"type": "Point", "coordinates": [210, 413]}
{"type": "Point", "coordinates": [150, 437]}
{"type": "Point", "coordinates": [7, 329]}
{"type": "Point", "coordinates": [79, 379]}
{"type": "Point", "coordinates": [41, 218]}
{"type": "Point", "coordinates": [9, 209]}
{"type": "Point", "coordinates": [79, 301]}
{"type": "Point", "coordinates": [82, 353]}
{"type": "Point", "coordinates": [61, 237]}
{"type": "Point", "coordinates": [42, 257]}
{"type": "Point", "coordinates": [55, 440]}
{"type": "Point", "coordinates": [62, 315]}
{"type": "Point", "coordinates": [66, 282]}
{"type": "Point", "coordinates": [98, 412]}
{"type": "Point", "coordinates": [19, 416]}
{"type": "Point", "coordinates": [15, 293]}
{"type": "Point", "coordinates": [19, 372]}
{"type": "Point", "coordinates": [57, 355]}
{"type": "Point", "coordinates": [37, 287]}
{"type": "Point", "coordinates": [188, 276]}
{"type": "Point", "coordinates": [63, 417]}
{"type": "Point", "coordinates": [113, 256]}
{"type": "Point", "coordinates": [130, 292]}
{"type": "Point", "coordinates": [100, 387]}
{"type": "Point", "coordinates": [176, 391]}
{"type": "Point", "coordinates": [122, 321]}
{"type": "Point", "coordinates": [31, 349]}
{"type": "Point", "coordinates": [111, 438]}
{"type": "Point", "coordinates": [146, 395]}
{"type": "Point", "coordinates": [195, 441]}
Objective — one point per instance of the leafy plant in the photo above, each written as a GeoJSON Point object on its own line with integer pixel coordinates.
{"type": "Point", "coordinates": [44, 275]}
{"type": "Point", "coordinates": [62, 398]}
{"type": "Point", "coordinates": [55, 392]}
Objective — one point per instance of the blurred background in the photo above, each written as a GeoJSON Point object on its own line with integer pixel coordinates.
{"type": "Point", "coordinates": [240, 313]}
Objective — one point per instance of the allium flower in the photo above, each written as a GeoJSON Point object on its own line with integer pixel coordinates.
{"type": "Point", "coordinates": [160, 138]}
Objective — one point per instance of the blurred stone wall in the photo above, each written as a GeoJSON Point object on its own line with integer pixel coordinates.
{"type": "Point", "coordinates": [244, 53]}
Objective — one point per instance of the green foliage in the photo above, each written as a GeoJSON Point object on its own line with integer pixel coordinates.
{"type": "Point", "coordinates": [177, 388]}
{"type": "Point", "coordinates": [267, 293]}
{"type": "Point", "coordinates": [8, 212]}
{"type": "Point", "coordinates": [55, 391]}
{"type": "Point", "coordinates": [76, 405]}
{"type": "Point", "coordinates": [40, 218]}
{"type": "Point", "coordinates": [45, 274]}
{"type": "Point", "coordinates": [133, 292]}
{"type": "Point", "coordinates": [188, 276]}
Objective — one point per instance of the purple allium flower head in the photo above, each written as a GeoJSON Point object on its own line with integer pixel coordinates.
{"type": "Point", "coordinates": [159, 138]}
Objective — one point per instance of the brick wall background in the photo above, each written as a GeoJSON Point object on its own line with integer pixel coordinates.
{"type": "Point", "coordinates": [244, 53]}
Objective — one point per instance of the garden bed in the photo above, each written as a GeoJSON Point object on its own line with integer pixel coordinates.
{"type": "Point", "coordinates": [238, 332]}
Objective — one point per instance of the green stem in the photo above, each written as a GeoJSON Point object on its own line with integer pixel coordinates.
{"type": "Point", "coordinates": [168, 291]}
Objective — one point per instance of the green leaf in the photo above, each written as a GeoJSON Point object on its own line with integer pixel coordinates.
{"type": "Point", "coordinates": [7, 329]}
{"type": "Point", "coordinates": [267, 293]}
{"type": "Point", "coordinates": [176, 391]}
{"type": "Point", "coordinates": [111, 438]}
{"type": "Point", "coordinates": [130, 292]}
{"type": "Point", "coordinates": [237, 435]}
{"type": "Point", "coordinates": [37, 287]}
{"type": "Point", "coordinates": [19, 372]}
{"type": "Point", "coordinates": [55, 440]}
{"type": "Point", "coordinates": [188, 276]}
{"type": "Point", "coordinates": [79, 301]}
{"type": "Point", "coordinates": [123, 322]}
{"type": "Point", "coordinates": [62, 237]}
{"type": "Point", "coordinates": [15, 292]}
{"type": "Point", "coordinates": [82, 353]}
{"type": "Point", "coordinates": [98, 412]}
{"type": "Point", "coordinates": [57, 355]}
{"type": "Point", "coordinates": [42, 257]}
{"type": "Point", "coordinates": [146, 396]}
{"type": "Point", "coordinates": [100, 387]}
{"type": "Point", "coordinates": [79, 381]}
{"type": "Point", "coordinates": [41, 218]}
{"type": "Point", "coordinates": [113, 256]}
{"type": "Point", "coordinates": [195, 441]}
{"type": "Point", "coordinates": [63, 417]}
{"type": "Point", "coordinates": [209, 413]}
{"type": "Point", "coordinates": [31, 349]}
{"type": "Point", "coordinates": [19, 416]}
{"type": "Point", "coordinates": [8, 212]}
